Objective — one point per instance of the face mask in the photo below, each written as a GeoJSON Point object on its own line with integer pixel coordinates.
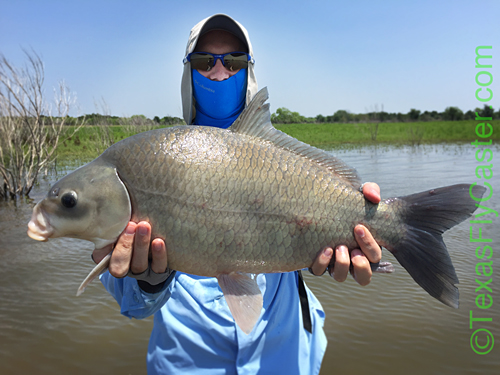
{"type": "Point", "coordinates": [219, 103]}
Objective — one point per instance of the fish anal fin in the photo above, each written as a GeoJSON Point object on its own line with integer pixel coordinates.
{"type": "Point", "coordinates": [243, 298]}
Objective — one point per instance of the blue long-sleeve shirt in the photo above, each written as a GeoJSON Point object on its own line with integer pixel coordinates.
{"type": "Point", "coordinates": [194, 332]}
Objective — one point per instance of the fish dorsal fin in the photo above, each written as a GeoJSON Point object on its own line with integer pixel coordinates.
{"type": "Point", "coordinates": [243, 298]}
{"type": "Point", "coordinates": [255, 121]}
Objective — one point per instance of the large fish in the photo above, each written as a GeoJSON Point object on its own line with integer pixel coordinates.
{"type": "Point", "coordinates": [249, 199]}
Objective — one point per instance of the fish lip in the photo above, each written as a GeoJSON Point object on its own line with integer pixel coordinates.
{"type": "Point", "coordinates": [39, 227]}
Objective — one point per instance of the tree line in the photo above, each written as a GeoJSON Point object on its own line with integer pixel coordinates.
{"type": "Point", "coordinates": [286, 116]}
{"type": "Point", "coordinates": [95, 119]}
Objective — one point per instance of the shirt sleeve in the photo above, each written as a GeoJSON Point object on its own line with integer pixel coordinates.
{"type": "Point", "coordinates": [133, 301]}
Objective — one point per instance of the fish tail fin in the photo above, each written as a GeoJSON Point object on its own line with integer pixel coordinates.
{"type": "Point", "coordinates": [422, 251]}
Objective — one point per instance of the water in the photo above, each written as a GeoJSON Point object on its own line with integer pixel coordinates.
{"type": "Point", "coordinates": [391, 326]}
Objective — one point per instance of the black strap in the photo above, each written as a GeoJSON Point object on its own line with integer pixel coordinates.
{"type": "Point", "coordinates": [304, 304]}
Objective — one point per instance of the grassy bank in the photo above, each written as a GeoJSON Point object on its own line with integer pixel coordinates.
{"type": "Point", "coordinates": [409, 133]}
{"type": "Point", "coordinates": [91, 141]}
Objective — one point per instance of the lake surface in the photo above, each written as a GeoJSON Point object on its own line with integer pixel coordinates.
{"type": "Point", "coordinates": [390, 327]}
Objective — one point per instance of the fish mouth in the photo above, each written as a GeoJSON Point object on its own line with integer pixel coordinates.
{"type": "Point", "coordinates": [39, 227]}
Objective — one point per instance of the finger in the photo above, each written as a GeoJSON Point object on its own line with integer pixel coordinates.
{"type": "Point", "coordinates": [140, 253]}
{"type": "Point", "coordinates": [362, 272]}
{"type": "Point", "coordinates": [341, 267]}
{"type": "Point", "coordinates": [119, 264]}
{"type": "Point", "coordinates": [368, 245]}
{"type": "Point", "coordinates": [371, 191]}
{"type": "Point", "coordinates": [159, 261]}
{"type": "Point", "coordinates": [99, 254]}
{"type": "Point", "coordinates": [322, 261]}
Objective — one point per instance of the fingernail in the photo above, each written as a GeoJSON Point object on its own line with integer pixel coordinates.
{"type": "Point", "coordinates": [143, 231]}
{"type": "Point", "coordinates": [328, 252]}
{"type": "Point", "coordinates": [156, 246]}
{"type": "Point", "coordinates": [130, 229]}
{"type": "Point", "coordinates": [356, 253]}
{"type": "Point", "coordinates": [359, 232]}
{"type": "Point", "coordinates": [342, 249]}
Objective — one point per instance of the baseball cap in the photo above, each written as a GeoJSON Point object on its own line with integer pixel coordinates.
{"type": "Point", "coordinates": [226, 23]}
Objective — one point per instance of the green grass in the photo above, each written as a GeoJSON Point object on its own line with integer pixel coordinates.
{"type": "Point", "coordinates": [324, 135]}
{"type": "Point", "coordinates": [86, 144]}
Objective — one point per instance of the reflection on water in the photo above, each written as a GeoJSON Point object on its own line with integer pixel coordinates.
{"type": "Point", "coordinates": [391, 326]}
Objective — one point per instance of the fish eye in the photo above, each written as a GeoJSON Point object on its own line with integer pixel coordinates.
{"type": "Point", "coordinates": [68, 200]}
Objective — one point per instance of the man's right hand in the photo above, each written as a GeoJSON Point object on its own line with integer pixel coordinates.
{"type": "Point", "coordinates": [131, 252]}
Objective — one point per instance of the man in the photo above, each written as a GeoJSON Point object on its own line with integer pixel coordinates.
{"type": "Point", "coordinates": [194, 331]}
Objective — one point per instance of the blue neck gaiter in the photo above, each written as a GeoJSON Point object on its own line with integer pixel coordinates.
{"type": "Point", "coordinates": [219, 103]}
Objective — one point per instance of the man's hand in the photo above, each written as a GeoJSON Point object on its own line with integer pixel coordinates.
{"type": "Point", "coordinates": [131, 251]}
{"type": "Point", "coordinates": [360, 258]}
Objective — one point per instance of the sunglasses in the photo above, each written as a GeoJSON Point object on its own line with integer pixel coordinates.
{"type": "Point", "coordinates": [206, 61]}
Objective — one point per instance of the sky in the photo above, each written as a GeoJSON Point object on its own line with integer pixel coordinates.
{"type": "Point", "coordinates": [124, 58]}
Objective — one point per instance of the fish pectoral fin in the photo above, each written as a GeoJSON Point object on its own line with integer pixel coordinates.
{"type": "Point", "coordinates": [96, 271]}
{"type": "Point", "coordinates": [243, 297]}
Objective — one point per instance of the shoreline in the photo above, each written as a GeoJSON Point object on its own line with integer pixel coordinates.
{"type": "Point", "coordinates": [88, 142]}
